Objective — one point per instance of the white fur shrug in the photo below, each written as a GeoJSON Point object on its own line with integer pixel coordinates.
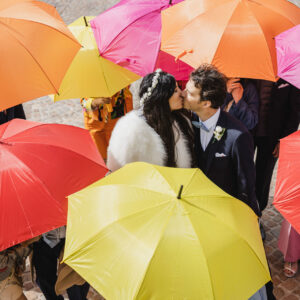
{"type": "Point", "coordinates": [134, 140]}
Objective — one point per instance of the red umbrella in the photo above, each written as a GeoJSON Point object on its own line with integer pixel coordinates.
{"type": "Point", "coordinates": [287, 190]}
{"type": "Point", "coordinates": [41, 164]}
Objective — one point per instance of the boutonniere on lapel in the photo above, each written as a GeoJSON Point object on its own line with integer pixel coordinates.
{"type": "Point", "coordinates": [218, 133]}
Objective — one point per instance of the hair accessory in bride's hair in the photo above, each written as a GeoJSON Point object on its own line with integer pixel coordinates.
{"type": "Point", "coordinates": [150, 89]}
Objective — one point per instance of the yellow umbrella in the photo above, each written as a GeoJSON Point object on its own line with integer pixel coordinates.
{"type": "Point", "coordinates": [150, 232]}
{"type": "Point", "coordinates": [91, 75]}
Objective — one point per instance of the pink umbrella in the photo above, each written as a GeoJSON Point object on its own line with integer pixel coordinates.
{"type": "Point", "coordinates": [129, 34]}
{"type": "Point", "coordinates": [288, 55]}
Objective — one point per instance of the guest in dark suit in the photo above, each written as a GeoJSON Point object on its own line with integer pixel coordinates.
{"type": "Point", "coordinates": [278, 117]}
{"type": "Point", "coordinates": [12, 113]}
{"type": "Point", "coordinates": [223, 145]}
{"type": "Point", "coordinates": [242, 101]}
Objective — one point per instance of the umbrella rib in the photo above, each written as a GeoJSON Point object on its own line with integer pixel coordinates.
{"type": "Point", "coordinates": [191, 179]}
{"type": "Point", "coordinates": [21, 132]}
{"type": "Point", "coordinates": [125, 29]}
{"type": "Point", "coordinates": [20, 203]}
{"type": "Point", "coordinates": [52, 28]}
{"type": "Point", "coordinates": [164, 194]}
{"type": "Point", "coordinates": [35, 176]}
{"type": "Point", "coordinates": [264, 37]}
{"type": "Point", "coordinates": [27, 50]}
{"type": "Point", "coordinates": [31, 128]}
{"type": "Point", "coordinates": [156, 167]}
{"type": "Point", "coordinates": [274, 11]}
{"type": "Point", "coordinates": [185, 199]}
{"type": "Point", "coordinates": [100, 57]}
{"type": "Point", "coordinates": [202, 209]}
{"type": "Point", "coordinates": [217, 48]}
{"type": "Point", "coordinates": [44, 24]}
{"type": "Point", "coordinates": [163, 177]}
{"type": "Point", "coordinates": [47, 145]}
{"type": "Point", "coordinates": [232, 229]}
{"type": "Point", "coordinates": [95, 236]}
{"type": "Point", "coordinates": [149, 25]}
{"type": "Point", "coordinates": [144, 277]}
{"type": "Point", "coordinates": [192, 20]}
{"type": "Point", "coordinates": [23, 210]}
{"type": "Point", "coordinates": [138, 188]}
{"type": "Point", "coordinates": [57, 146]}
{"type": "Point", "coordinates": [66, 149]}
{"type": "Point", "coordinates": [154, 255]}
{"type": "Point", "coordinates": [195, 232]}
{"type": "Point", "coordinates": [60, 32]}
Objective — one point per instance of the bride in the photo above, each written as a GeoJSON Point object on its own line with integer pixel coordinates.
{"type": "Point", "coordinates": [160, 132]}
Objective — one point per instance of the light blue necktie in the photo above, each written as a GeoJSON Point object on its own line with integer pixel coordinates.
{"type": "Point", "coordinates": [201, 125]}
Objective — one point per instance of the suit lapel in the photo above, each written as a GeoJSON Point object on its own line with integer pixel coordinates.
{"type": "Point", "coordinates": [211, 148]}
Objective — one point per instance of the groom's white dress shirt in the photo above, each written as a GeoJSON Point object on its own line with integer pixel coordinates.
{"type": "Point", "coordinates": [210, 124]}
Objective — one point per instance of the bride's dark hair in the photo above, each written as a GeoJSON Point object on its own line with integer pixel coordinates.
{"type": "Point", "coordinates": [160, 117]}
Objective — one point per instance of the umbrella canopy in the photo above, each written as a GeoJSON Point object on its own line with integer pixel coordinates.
{"type": "Point", "coordinates": [150, 238]}
{"type": "Point", "coordinates": [36, 50]}
{"type": "Point", "coordinates": [288, 55]}
{"type": "Point", "coordinates": [237, 36]}
{"type": "Point", "coordinates": [91, 75]}
{"type": "Point", "coordinates": [296, 2]}
{"type": "Point", "coordinates": [40, 164]}
{"type": "Point", "coordinates": [129, 34]}
{"type": "Point", "coordinates": [287, 189]}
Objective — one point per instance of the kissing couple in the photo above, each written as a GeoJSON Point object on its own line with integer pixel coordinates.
{"type": "Point", "coordinates": [188, 129]}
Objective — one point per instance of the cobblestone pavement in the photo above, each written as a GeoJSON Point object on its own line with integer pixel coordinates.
{"type": "Point", "coordinates": [69, 112]}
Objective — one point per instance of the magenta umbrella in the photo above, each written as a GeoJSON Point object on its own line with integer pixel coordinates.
{"type": "Point", "coordinates": [288, 55]}
{"type": "Point", "coordinates": [129, 34]}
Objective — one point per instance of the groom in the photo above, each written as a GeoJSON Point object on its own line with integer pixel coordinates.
{"type": "Point", "coordinates": [223, 146]}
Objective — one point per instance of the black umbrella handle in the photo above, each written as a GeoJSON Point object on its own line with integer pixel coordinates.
{"type": "Point", "coordinates": [180, 192]}
{"type": "Point", "coordinates": [86, 23]}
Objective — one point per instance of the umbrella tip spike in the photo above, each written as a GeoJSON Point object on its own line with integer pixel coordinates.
{"type": "Point", "coordinates": [85, 21]}
{"type": "Point", "coordinates": [180, 192]}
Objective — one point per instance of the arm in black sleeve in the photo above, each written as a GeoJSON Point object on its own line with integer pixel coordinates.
{"type": "Point", "coordinates": [246, 110]}
{"type": "Point", "coordinates": [293, 117]}
{"type": "Point", "coordinates": [19, 112]}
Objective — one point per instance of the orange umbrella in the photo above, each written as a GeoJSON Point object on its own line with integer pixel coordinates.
{"type": "Point", "coordinates": [36, 50]}
{"type": "Point", "coordinates": [237, 36]}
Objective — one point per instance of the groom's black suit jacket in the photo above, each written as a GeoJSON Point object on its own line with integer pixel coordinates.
{"type": "Point", "coordinates": [229, 161]}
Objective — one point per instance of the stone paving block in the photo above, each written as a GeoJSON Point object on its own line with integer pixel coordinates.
{"type": "Point", "coordinates": [28, 285]}
{"type": "Point", "coordinates": [276, 280]}
{"type": "Point", "coordinates": [283, 278]}
{"type": "Point", "coordinates": [277, 255]}
{"type": "Point", "coordinates": [279, 293]}
{"type": "Point", "coordinates": [33, 295]}
{"type": "Point", "coordinates": [296, 292]}
{"type": "Point", "coordinates": [291, 297]}
{"type": "Point", "coordinates": [290, 284]}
